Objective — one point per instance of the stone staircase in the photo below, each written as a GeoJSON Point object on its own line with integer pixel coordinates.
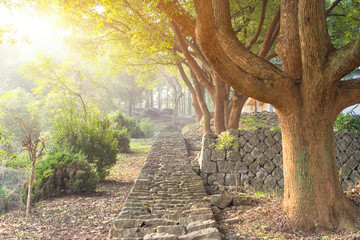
{"type": "Point", "coordinates": [168, 200]}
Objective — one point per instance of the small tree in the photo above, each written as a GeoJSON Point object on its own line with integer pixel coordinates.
{"type": "Point", "coordinates": [19, 116]}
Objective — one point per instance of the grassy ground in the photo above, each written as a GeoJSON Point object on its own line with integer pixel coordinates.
{"type": "Point", "coordinates": [80, 216]}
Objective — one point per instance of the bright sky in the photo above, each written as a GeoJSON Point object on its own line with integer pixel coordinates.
{"type": "Point", "coordinates": [41, 31]}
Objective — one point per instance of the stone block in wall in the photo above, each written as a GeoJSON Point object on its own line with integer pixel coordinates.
{"type": "Point", "coordinates": [254, 167]}
{"type": "Point", "coordinates": [248, 135]}
{"type": "Point", "coordinates": [242, 153]}
{"type": "Point", "coordinates": [233, 156]}
{"type": "Point", "coordinates": [217, 155]}
{"type": "Point", "coordinates": [242, 141]}
{"type": "Point", "coordinates": [244, 179]}
{"type": "Point", "coordinates": [261, 159]}
{"type": "Point", "coordinates": [230, 179]}
{"type": "Point", "coordinates": [270, 153]}
{"type": "Point", "coordinates": [357, 155]}
{"type": "Point", "coordinates": [248, 159]}
{"type": "Point", "coordinates": [204, 177]}
{"type": "Point", "coordinates": [277, 173]}
{"type": "Point", "coordinates": [255, 152]}
{"type": "Point", "coordinates": [241, 167]}
{"type": "Point", "coordinates": [205, 156]}
{"type": "Point", "coordinates": [260, 134]}
{"type": "Point", "coordinates": [269, 166]}
{"type": "Point", "coordinates": [277, 147]}
{"type": "Point", "coordinates": [251, 175]}
{"type": "Point", "coordinates": [277, 136]}
{"type": "Point", "coordinates": [261, 175]}
{"type": "Point", "coordinates": [254, 140]}
{"type": "Point", "coordinates": [345, 171]}
{"type": "Point", "coordinates": [355, 177]}
{"type": "Point", "coordinates": [208, 167]}
{"type": "Point", "coordinates": [281, 183]}
{"type": "Point", "coordinates": [342, 145]}
{"type": "Point", "coordinates": [248, 147]}
{"type": "Point", "coordinates": [262, 147]}
{"type": "Point", "coordinates": [355, 144]}
{"type": "Point", "coordinates": [352, 163]}
{"type": "Point", "coordinates": [349, 151]}
{"type": "Point", "coordinates": [216, 177]}
{"type": "Point", "coordinates": [277, 160]}
{"type": "Point", "coordinates": [270, 182]}
{"type": "Point", "coordinates": [342, 158]}
{"type": "Point", "coordinates": [348, 139]}
{"type": "Point", "coordinates": [268, 132]}
{"type": "Point", "coordinates": [225, 166]}
{"type": "Point", "coordinates": [270, 141]}
{"type": "Point", "coordinates": [208, 139]}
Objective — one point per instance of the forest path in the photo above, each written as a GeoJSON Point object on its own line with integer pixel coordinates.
{"type": "Point", "coordinates": [168, 200]}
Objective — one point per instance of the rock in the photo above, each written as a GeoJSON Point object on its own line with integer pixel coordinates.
{"type": "Point", "coordinates": [198, 225]}
{"type": "Point", "coordinates": [240, 200]}
{"type": "Point", "coordinates": [177, 230]}
{"type": "Point", "coordinates": [128, 223]}
{"type": "Point", "coordinates": [220, 200]}
{"type": "Point", "coordinates": [204, 234]}
{"type": "Point", "coordinates": [232, 220]}
{"type": "Point", "coordinates": [215, 210]}
{"type": "Point", "coordinates": [160, 236]}
{"type": "Point", "coordinates": [216, 177]}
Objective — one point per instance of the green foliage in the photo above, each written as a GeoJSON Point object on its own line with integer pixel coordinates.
{"type": "Point", "coordinates": [147, 128]}
{"type": "Point", "coordinates": [349, 122]}
{"type": "Point", "coordinates": [226, 141]}
{"type": "Point", "coordinates": [123, 140]}
{"type": "Point", "coordinates": [63, 173]}
{"type": "Point", "coordinates": [129, 123]}
{"type": "Point", "coordinates": [93, 136]}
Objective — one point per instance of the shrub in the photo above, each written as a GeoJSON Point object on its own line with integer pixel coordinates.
{"type": "Point", "coordinates": [147, 127]}
{"type": "Point", "coordinates": [124, 121]}
{"type": "Point", "coordinates": [62, 173]}
{"type": "Point", "coordinates": [123, 140]}
{"type": "Point", "coordinates": [93, 136]}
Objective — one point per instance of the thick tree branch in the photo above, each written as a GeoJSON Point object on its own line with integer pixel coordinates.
{"type": "Point", "coordinates": [344, 60]}
{"type": "Point", "coordinates": [237, 65]}
{"type": "Point", "coordinates": [260, 25]}
{"type": "Point", "coordinates": [179, 15]}
{"type": "Point", "coordinates": [314, 37]}
{"type": "Point", "coordinates": [348, 93]}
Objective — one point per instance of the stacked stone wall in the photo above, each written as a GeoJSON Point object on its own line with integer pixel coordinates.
{"type": "Point", "coordinates": [257, 159]}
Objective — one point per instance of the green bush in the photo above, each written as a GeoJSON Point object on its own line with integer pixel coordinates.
{"type": "Point", "coordinates": [349, 122]}
{"type": "Point", "coordinates": [62, 173]}
{"type": "Point", "coordinates": [123, 140]}
{"type": "Point", "coordinates": [124, 121]}
{"type": "Point", "coordinates": [94, 137]}
{"type": "Point", "coordinates": [147, 128]}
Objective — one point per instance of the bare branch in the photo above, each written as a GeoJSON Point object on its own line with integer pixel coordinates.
{"type": "Point", "coordinates": [332, 6]}
{"type": "Point", "coordinates": [260, 25]}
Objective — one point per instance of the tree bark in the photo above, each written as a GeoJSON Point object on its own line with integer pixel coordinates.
{"type": "Point", "coordinates": [28, 202]}
{"type": "Point", "coordinates": [237, 102]}
{"type": "Point", "coordinates": [313, 197]}
{"type": "Point", "coordinates": [218, 97]}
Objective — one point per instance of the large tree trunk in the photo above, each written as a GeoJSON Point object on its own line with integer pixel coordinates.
{"type": "Point", "coordinates": [237, 103]}
{"type": "Point", "coordinates": [313, 197]}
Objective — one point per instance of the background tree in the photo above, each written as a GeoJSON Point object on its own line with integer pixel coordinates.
{"type": "Point", "coordinates": [20, 116]}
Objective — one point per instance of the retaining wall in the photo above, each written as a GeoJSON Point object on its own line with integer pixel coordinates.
{"type": "Point", "coordinates": [257, 161]}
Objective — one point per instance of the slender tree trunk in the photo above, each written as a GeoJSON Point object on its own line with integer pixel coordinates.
{"type": "Point", "coordinates": [159, 97]}
{"type": "Point", "coordinates": [193, 92]}
{"type": "Point", "coordinates": [313, 197]}
{"type": "Point", "coordinates": [237, 103]}
{"type": "Point", "coordinates": [28, 202]}
{"type": "Point", "coordinates": [202, 104]}
{"type": "Point", "coordinates": [218, 97]}
{"type": "Point", "coordinates": [151, 92]}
